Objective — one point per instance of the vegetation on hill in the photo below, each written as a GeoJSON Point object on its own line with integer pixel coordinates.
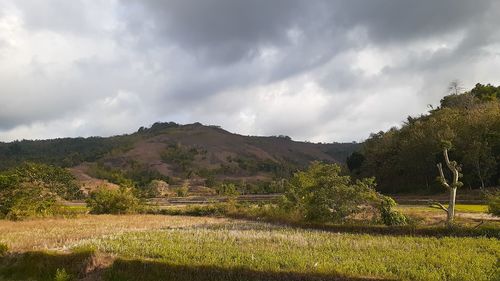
{"type": "Point", "coordinates": [404, 159]}
{"type": "Point", "coordinates": [175, 153]}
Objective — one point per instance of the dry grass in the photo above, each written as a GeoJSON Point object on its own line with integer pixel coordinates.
{"type": "Point", "coordinates": [54, 233]}
{"type": "Point", "coordinates": [153, 247]}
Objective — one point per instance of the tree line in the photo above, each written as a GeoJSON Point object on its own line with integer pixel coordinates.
{"type": "Point", "coordinates": [404, 159]}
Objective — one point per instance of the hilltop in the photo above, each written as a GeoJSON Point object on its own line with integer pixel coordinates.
{"type": "Point", "coordinates": [198, 154]}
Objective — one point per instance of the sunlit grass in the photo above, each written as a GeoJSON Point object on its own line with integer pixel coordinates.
{"type": "Point", "coordinates": [52, 233]}
{"type": "Point", "coordinates": [465, 208]}
{"type": "Point", "coordinates": [261, 247]}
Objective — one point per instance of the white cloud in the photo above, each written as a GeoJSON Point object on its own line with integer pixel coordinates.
{"type": "Point", "coordinates": [315, 70]}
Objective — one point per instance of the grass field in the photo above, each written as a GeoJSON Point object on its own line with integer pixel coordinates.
{"type": "Point", "coordinates": [147, 247]}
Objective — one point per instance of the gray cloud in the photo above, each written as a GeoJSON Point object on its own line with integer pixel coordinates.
{"type": "Point", "coordinates": [317, 70]}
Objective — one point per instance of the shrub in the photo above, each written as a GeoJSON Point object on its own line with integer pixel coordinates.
{"type": "Point", "coordinates": [182, 191]}
{"type": "Point", "coordinates": [32, 190]}
{"type": "Point", "coordinates": [3, 249]}
{"type": "Point", "coordinates": [390, 216]}
{"type": "Point", "coordinates": [322, 194]}
{"type": "Point", "coordinates": [227, 189]}
{"type": "Point", "coordinates": [62, 275]}
{"type": "Point", "coordinates": [113, 201]}
{"type": "Point", "coordinates": [156, 188]}
{"type": "Point", "coordinates": [493, 201]}
{"type": "Point", "coordinates": [27, 200]}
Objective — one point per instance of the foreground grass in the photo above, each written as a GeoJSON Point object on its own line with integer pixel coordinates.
{"type": "Point", "coordinates": [145, 247]}
{"type": "Point", "coordinates": [265, 248]}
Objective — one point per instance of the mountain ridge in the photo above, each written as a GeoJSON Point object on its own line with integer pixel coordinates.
{"type": "Point", "coordinates": [177, 153]}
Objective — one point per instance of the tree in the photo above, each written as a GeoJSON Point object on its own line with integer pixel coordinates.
{"type": "Point", "coordinates": [455, 87]}
{"type": "Point", "coordinates": [113, 201]}
{"type": "Point", "coordinates": [33, 189]}
{"type": "Point", "coordinates": [451, 187]}
{"type": "Point", "coordinates": [322, 194]}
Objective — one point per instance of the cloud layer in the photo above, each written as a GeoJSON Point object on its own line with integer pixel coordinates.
{"type": "Point", "coordinates": [318, 70]}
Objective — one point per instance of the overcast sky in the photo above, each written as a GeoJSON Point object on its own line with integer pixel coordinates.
{"type": "Point", "coordinates": [314, 70]}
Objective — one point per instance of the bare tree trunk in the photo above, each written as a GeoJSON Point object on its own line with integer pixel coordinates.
{"type": "Point", "coordinates": [451, 205]}
{"type": "Point", "coordinates": [452, 188]}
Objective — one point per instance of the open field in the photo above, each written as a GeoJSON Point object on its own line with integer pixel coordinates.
{"type": "Point", "coordinates": [147, 247]}
{"type": "Point", "coordinates": [55, 233]}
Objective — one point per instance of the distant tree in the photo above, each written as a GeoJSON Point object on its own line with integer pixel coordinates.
{"type": "Point", "coordinates": [113, 201]}
{"type": "Point", "coordinates": [158, 188]}
{"type": "Point", "coordinates": [455, 87]}
{"type": "Point", "coordinates": [355, 161]}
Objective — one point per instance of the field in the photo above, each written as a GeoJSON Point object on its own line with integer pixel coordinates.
{"type": "Point", "coordinates": [156, 247]}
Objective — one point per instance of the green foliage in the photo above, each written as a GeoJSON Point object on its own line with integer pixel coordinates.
{"type": "Point", "coordinates": [3, 249]}
{"type": "Point", "coordinates": [56, 179]}
{"type": "Point", "coordinates": [113, 201]}
{"type": "Point", "coordinates": [116, 176]}
{"type": "Point", "coordinates": [355, 161]}
{"type": "Point", "coordinates": [405, 159]}
{"type": "Point", "coordinates": [321, 193]}
{"type": "Point", "coordinates": [32, 190]}
{"type": "Point", "coordinates": [227, 189]}
{"type": "Point", "coordinates": [493, 201]}
{"type": "Point", "coordinates": [135, 175]}
{"type": "Point", "coordinates": [389, 216]}
{"type": "Point", "coordinates": [486, 92]}
{"type": "Point", "coordinates": [30, 200]}
{"type": "Point", "coordinates": [183, 190]}
{"type": "Point", "coordinates": [62, 275]}
{"type": "Point", "coordinates": [156, 188]}
{"type": "Point", "coordinates": [64, 152]}
{"type": "Point", "coordinates": [182, 157]}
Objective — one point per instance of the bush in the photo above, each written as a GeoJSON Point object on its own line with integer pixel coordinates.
{"type": "Point", "coordinates": [113, 201]}
{"type": "Point", "coordinates": [62, 275]}
{"type": "Point", "coordinates": [182, 191]}
{"type": "Point", "coordinates": [27, 200]}
{"type": "Point", "coordinates": [227, 189]}
{"type": "Point", "coordinates": [3, 249]}
{"type": "Point", "coordinates": [493, 201]}
{"type": "Point", "coordinates": [391, 217]}
{"type": "Point", "coordinates": [32, 190]}
{"type": "Point", "coordinates": [322, 194]}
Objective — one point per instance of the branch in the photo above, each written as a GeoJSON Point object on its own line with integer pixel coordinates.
{"type": "Point", "coordinates": [441, 176]}
{"type": "Point", "coordinates": [452, 166]}
{"type": "Point", "coordinates": [437, 205]}
{"type": "Point", "coordinates": [475, 227]}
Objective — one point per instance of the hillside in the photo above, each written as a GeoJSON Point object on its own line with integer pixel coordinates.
{"type": "Point", "coordinates": [404, 159]}
{"type": "Point", "coordinates": [201, 155]}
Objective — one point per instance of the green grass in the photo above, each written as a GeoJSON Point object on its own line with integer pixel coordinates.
{"type": "Point", "coordinates": [256, 247]}
{"type": "Point", "coordinates": [149, 247]}
{"type": "Point", "coordinates": [461, 208]}
{"type": "Point", "coordinates": [471, 208]}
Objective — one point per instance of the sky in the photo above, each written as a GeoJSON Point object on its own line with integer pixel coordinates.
{"type": "Point", "coordinates": [315, 70]}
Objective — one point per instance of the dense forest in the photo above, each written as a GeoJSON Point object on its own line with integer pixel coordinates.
{"type": "Point", "coordinates": [404, 159]}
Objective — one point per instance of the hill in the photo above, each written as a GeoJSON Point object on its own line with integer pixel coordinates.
{"type": "Point", "coordinates": [197, 154]}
